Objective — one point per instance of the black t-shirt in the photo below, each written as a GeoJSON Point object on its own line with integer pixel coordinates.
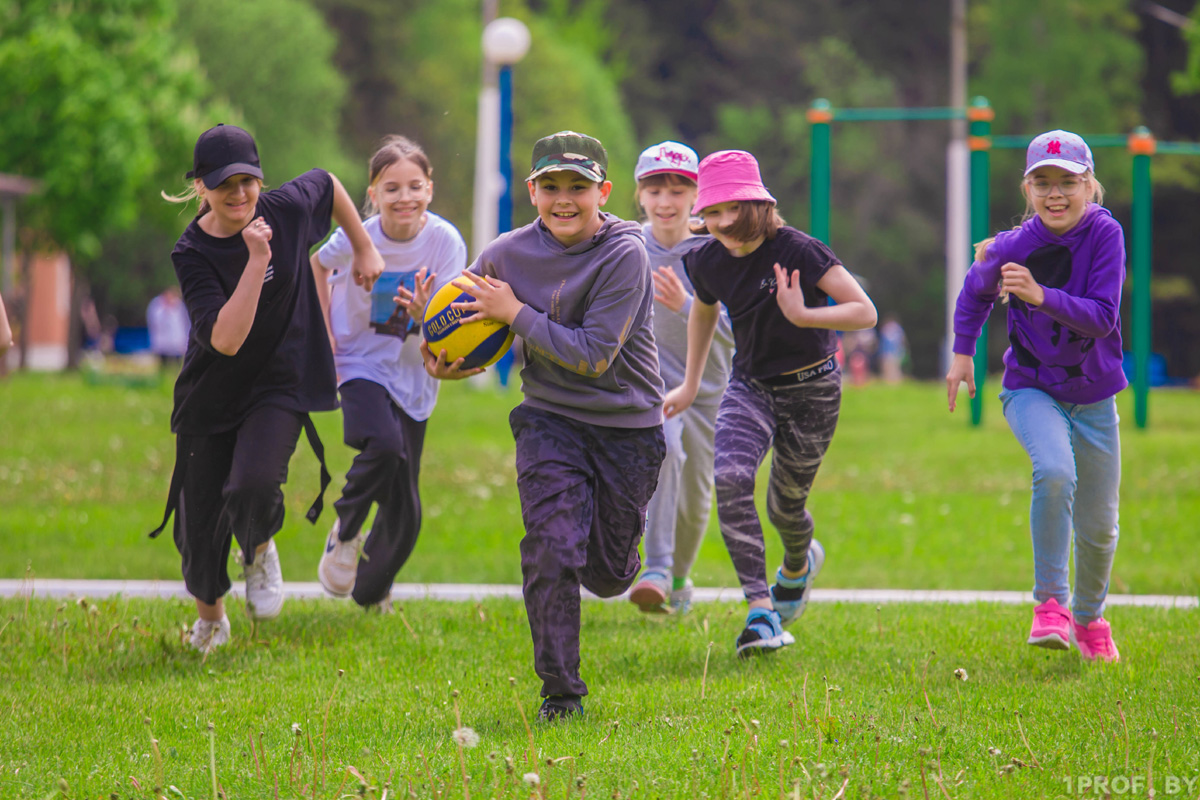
{"type": "Point", "coordinates": [766, 343]}
{"type": "Point", "coordinates": [285, 361]}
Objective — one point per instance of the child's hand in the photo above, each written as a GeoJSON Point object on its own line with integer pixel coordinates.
{"type": "Point", "coordinates": [678, 400]}
{"type": "Point", "coordinates": [1018, 280]}
{"type": "Point", "coordinates": [416, 300]}
{"type": "Point", "coordinates": [790, 297]}
{"type": "Point", "coordinates": [437, 367]}
{"type": "Point", "coordinates": [494, 299]}
{"type": "Point", "coordinates": [962, 368]}
{"type": "Point", "coordinates": [257, 236]}
{"type": "Point", "coordinates": [367, 267]}
{"type": "Point", "coordinates": [668, 289]}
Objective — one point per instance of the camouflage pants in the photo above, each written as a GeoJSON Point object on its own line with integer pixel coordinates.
{"type": "Point", "coordinates": [584, 490]}
{"type": "Point", "coordinates": [798, 422]}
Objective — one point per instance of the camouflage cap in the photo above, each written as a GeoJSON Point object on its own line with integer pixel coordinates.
{"type": "Point", "coordinates": [572, 151]}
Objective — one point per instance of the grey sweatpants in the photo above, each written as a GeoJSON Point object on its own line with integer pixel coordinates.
{"type": "Point", "coordinates": [798, 423]}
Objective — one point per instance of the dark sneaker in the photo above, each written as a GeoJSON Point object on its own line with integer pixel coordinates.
{"type": "Point", "coordinates": [763, 633]}
{"type": "Point", "coordinates": [790, 595]}
{"type": "Point", "coordinates": [560, 706]}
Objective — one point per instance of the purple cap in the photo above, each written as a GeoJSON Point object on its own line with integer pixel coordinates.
{"type": "Point", "coordinates": [1059, 149]}
{"type": "Point", "coordinates": [729, 175]}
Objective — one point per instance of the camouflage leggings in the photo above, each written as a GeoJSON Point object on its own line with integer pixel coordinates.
{"type": "Point", "coordinates": [798, 422]}
{"type": "Point", "coordinates": [584, 490]}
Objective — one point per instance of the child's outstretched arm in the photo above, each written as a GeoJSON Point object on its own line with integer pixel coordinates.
{"type": "Point", "coordinates": [702, 322]}
{"type": "Point", "coordinates": [6, 334]}
{"type": "Point", "coordinates": [321, 277]}
{"type": "Point", "coordinates": [368, 264]}
{"type": "Point", "coordinates": [962, 368]}
{"type": "Point", "coordinates": [854, 310]}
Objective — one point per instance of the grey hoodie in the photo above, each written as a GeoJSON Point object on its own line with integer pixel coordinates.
{"type": "Point", "coordinates": [670, 329]}
{"type": "Point", "coordinates": [586, 325]}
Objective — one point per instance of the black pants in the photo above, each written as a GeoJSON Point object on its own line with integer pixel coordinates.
{"type": "Point", "coordinates": [232, 488]}
{"type": "Point", "coordinates": [386, 473]}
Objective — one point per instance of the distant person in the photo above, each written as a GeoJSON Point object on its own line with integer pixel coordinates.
{"type": "Point", "coordinates": [257, 363]}
{"type": "Point", "coordinates": [678, 514]}
{"type": "Point", "coordinates": [168, 324]}
{"type": "Point", "coordinates": [862, 346]}
{"type": "Point", "coordinates": [387, 396]}
{"type": "Point", "coordinates": [575, 285]}
{"type": "Point", "coordinates": [1061, 270]}
{"type": "Point", "coordinates": [893, 349]}
{"type": "Point", "coordinates": [785, 392]}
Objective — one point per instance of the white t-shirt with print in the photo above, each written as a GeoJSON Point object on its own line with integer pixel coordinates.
{"type": "Point", "coordinates": [375, 339]}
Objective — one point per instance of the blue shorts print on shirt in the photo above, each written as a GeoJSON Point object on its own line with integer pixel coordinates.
{"type": "Point", "coordinates": [387, 317]}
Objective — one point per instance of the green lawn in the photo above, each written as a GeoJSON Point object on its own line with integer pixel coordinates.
{"type": "Point", "coordinates": [99, 699]}
{"type": "Point", "coordinates": [908, 497]}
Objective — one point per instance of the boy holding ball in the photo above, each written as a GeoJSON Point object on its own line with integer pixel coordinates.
{"type": "Point", "coordinates": [576, 286]}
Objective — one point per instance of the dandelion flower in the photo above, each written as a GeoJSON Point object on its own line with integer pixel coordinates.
{"type": "Point", "coordinates": [960, 673]}
{"type": "Point", "coordinates": [531, 779]}
{"type": "Point", "coordinates": [466, 737]}
{"type": "Point", "coordinates": [296, 728]}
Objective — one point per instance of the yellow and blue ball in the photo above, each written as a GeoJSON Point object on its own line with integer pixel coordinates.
{"type": "Point", "coordinates": [481, 343]}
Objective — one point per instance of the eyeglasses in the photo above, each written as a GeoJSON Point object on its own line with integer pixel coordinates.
{"type": "Point", "coordinates": [1040, 187]}
{"type": "Point", "coordinates": [393, 192]}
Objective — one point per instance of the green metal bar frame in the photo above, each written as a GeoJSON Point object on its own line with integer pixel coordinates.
{"type": "Point", "coordinates": [1141, 242]}
{"type": "Point", "coordinates": [980, 130]}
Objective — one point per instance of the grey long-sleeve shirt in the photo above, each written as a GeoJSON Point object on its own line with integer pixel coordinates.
{"type": "Point", "coordinates": [586, 326]}
{"type": "Point", "coordinates": [670, 328]}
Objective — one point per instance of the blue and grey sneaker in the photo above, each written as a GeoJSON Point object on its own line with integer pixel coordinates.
{"type": "Point", "coordinates": [651, 591]}
{"type": "Point", "coordinates": [681, 598]}
{"type": "Point", "coordinates": [790, 595]}
{"type": "Point", "coordinates": [763, 633]}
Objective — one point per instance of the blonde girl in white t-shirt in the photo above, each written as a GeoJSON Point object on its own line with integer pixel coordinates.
{"type": "Point", "coordinates": [386, 395]}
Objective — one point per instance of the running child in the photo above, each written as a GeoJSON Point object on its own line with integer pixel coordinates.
{"type": "Point", "coordinates": [785, 391]}
{"type": "Point", "coordinates": [1061, 271]}
{"type": "Point", "coordinates": [678, 513]}
{"type": "Point", "coordinates": [575, 286]}
{"type": "Point", "coordinates": [258, 361]}
{"type": "Point", "coordinates": [386, 395]}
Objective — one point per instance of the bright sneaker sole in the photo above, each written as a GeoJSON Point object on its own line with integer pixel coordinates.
{"type": "Point", "coordinates": [762, 646]}
{"type": "Point", "coordinates": [1050, 641]}
{"type": "Point", "coordinates": [328, 586]}
{"type": "Point", "coordinates": [649, 598]}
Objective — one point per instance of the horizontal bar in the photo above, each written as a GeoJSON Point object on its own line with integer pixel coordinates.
{"type": "Point", "coordinates": [895, 114]}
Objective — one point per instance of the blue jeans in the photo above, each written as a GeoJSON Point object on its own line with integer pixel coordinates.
{"type": "Point", "coordinates": [1076, 455]}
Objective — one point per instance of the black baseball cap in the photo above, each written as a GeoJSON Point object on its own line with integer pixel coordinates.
{"type": "Point", "coordinates": [223, 151]}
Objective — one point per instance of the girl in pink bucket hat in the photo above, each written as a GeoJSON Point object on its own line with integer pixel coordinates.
{"type": "Point", "coordinates": [785, 390]}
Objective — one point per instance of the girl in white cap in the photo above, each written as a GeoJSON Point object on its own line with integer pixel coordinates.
{"type": "Point", "coordinates": [1062, 270]}
{"type": "Point", "coordinates": [785, 391]}
{"type": "Point", "coordinates": [678, 514]}
{"type": "Point", "coordinates": [258, 361]}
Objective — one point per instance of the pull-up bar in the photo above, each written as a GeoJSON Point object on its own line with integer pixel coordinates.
{"type": "Point", "coordinates": [979, 114]}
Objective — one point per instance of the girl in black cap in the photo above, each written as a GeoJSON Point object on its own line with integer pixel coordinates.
{"type": "Point", "coordinates": [258, 361]}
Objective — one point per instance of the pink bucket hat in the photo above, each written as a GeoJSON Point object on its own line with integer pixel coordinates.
{"type": "Point", "coordinates": [729, 175]}
{"type": "Point", "coordinates": [1059, 149]}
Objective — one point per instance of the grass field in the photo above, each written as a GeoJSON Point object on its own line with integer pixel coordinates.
{"type": "Point", "coordinates": [98, 699]}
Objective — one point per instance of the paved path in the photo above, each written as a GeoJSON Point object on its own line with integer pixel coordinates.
{"type": "Point", "coordinates": [472, 592]}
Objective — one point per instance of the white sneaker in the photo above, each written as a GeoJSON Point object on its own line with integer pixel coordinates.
{"type": "Point", "coordinates": [264, 584]}
{"type": "Point", "coordinates": [339, 563]}
{"type": "Point", "coordinates": [208, 635]}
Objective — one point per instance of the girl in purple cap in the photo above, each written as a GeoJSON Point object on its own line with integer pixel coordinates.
{"type": "Point", "coordinates": [1061, 272]}
{"type": "Point", "coordinates": [785, 391]}
{"type": "Point", "coordinates": [257, 362]}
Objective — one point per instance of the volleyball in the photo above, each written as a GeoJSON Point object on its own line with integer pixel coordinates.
{"type": "Point", "coordinates": [481, 343]}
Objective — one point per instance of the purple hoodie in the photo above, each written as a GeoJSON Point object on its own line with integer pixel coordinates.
{"type": "Point", "coordinates": [589, 345]}
{"type": "Point", "coordinates": [1070, 346]}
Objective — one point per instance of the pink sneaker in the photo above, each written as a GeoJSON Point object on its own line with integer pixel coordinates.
{"type": "Point", "coordinates": [1095, 641]}
{"type": "Point", "coordinates": [1051, 626]}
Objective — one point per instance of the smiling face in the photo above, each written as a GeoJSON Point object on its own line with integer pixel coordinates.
{"type": "Point", "coordinates": [719, 218]}
{"type": "Point", "coordinates": [667, 200]}
{"type": "Point", "coordinates": [402, 193]}
{"type": "Point", "coordinates": [569, 204]}
{"type": "Point", "coordinates": [233, 203]}
{"type": "Point", "coordinates": [1064, 199]}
